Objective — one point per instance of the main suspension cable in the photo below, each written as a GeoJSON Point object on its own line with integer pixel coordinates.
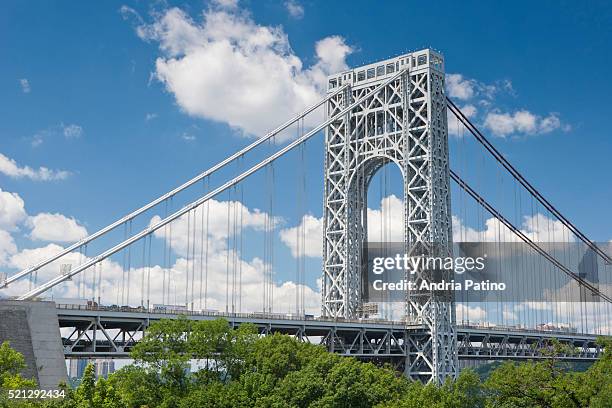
{"type": "Point", "coordinates": [519, 177]}
{"type": "Point", "coordinates": [152, 228]}
{"type": "Point", "coordinates": [525, 238]}
{"type": "Point", "coordinates": [8, 280]}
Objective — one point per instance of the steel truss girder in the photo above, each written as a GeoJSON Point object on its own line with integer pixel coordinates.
{"type": "Point", "coordinates": [499, 346]}
{"type": "Point", "coordinates": [113, 334]}
{"type": "Point", "coordinates": [404, 123]}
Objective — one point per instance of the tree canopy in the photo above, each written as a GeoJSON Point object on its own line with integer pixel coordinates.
{"type": "Point", "coordinates": [182, 363]}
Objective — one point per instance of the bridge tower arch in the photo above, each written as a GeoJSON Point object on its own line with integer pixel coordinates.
{"type": "Point", "coordinates": [405, 122]}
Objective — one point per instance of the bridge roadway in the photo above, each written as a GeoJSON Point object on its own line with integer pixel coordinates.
{"type": "Point", "coordinates": [102, 332]}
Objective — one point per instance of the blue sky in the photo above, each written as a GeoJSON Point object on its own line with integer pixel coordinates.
{"type": "Point", "coordinates": [81, 93]}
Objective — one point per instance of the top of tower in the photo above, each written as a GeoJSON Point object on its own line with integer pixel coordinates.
{"type": "Point", "coordinates": [378, 71]}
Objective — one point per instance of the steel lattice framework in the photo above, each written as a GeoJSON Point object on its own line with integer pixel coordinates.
{"type": "Point", "coordinates": [97, 332]}
{"type": "Point", "coordinates": [404, 123]}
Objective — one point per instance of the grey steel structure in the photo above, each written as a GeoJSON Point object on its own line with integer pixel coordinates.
{"type": "Point", "coordinates": [103, 332]}
{"type": "Point", "coordinates": [403, 123]}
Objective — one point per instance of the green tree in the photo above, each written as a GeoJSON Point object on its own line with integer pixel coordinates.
{"type": "Point", "coordinates": [164, 348]}
{"type": "Point", "coordinates": [242, 369]}
{"type": "Point", "coordinates": [137, 386]}
{"type": "Point", "coordinates": [84, 395]}
{"type": "Point", "coordinates": [11, 365]}
{"type": "Point", "coordinates": [223, 349]}
{"type": "Point", "coordinates": [594, 386]}
{"type": "Point", "coordinates": [548, 383]}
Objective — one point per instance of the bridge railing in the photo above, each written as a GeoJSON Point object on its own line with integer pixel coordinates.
{"type": "Point", "coordinates": [210, 313]}
{"type": "Point", "coordinates": [308, 317]}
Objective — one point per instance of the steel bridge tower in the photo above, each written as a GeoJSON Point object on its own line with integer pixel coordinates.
{"type": "Point", "coordinates": [405, 123]}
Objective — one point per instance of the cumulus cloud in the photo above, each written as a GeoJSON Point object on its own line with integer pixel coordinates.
{"type": "Point", "coordinates": [306, 238]}
{"type": "Point", "coordinates": [217, 213]}
{"type": "Point", "coordinates": [537, 227]}
{"type": "Point", "coordinates": [115, 284]}
{"type": "Point", "coordinates": [466, 313]}
{"type": "Point", "coordinates": [457, 86]}
{"type": "Point", "coordinates": [12, 210]}
{"type": "Point", "coordinates": [295, 9]}
{"type": "Point", "coordinates": [9, 167]}
{"type": "Point", "coordinates": [384, 224]}
{"type": "Point", "coordinates": [55, 227]}
{"type": "Point", "coordinates": [229, 69]}
{"type": "Point", "coordinates": [216, 254]}
{"type": "Point", "coordinates": [7, 247]}
{"type": "Point", "coordinates": [454, 126]}
{"type": "Point", "coordinates": [475, 93]}
{"type": "Point", "coordinates": [523, 122]}
{"type": "Point", "coordinates": [25, 85]}
{"type": "Point", "coordinates": [387, 224]}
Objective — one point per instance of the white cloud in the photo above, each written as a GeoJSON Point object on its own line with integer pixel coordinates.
{"type": "Point", "coordinates": [385, 224]}
{"type": "Point", "coordinates": [457, 86]}
{"type": "Point", "coordinates": [501, 124]}
{"type": "Point", "coordinates": [229, 69]}
{"type": "Point", "coordinates": [217, 213]}
{"type": "Point", "coordinates": [454, 126]}
{"type": "Point", "coordinates": [7, 247]}
{"type": "Point", "coordinates": [466, 313]}
{"type": "Point", "coordinates": [25, 85]}
{"type": "Point", "coordinates": [12, 210]}
{"type": "Point", "coordinates": [295, 9]}
{"type": "Point", "coordinates": [493, 231]}
{"type": "Point", "coordinates": [150, 116]}
{"type": "Point", "coordinates": [10, 168]}
{"type": "Point", "coordinates": [305, 239]}
{"type": "Point", "coordinates": [522, 121]}
{"type": "Point", "coordinates": [113, 274]}
{"type": "Point", "coordinates": [462, 88]}
{"type": "Point", "coordinates": [72, 131]}
{"type": "Point", "coordinates": [55, 227]}
{"type": "Point", "coordinates": [537, 227]}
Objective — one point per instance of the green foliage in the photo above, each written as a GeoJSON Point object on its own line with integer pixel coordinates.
{"type": "Point", "coordinates": [85, 393]}
{"type": "Point", "coordinates": [11, 365]}
{"type": "Point", "coordinates": [465, 392]}
{"type": "Point", "coordinates": [165, 349]}
{"type": "Point", "coordinates": [547, 384]}
{"type": "Point", "coordinates": [137, 387]}
{"type": "Point", "coordinates": [242, 369]}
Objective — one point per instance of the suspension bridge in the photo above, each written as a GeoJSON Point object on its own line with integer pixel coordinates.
{"type": "Point", "coordinates": [210, 247]}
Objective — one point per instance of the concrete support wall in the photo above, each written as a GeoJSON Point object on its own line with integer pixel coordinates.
{"type": "Point", "coordinates": [32, 328]}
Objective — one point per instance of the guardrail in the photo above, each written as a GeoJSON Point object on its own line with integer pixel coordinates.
{"type": "Point", "coordinates": [253, 315]}
{"type": "Point", "coordinates": [290, 317]}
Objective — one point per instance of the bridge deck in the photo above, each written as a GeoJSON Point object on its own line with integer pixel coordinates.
{"type": "Point", "coordinates": [105, 332]}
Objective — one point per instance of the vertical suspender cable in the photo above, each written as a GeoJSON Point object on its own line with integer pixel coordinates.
{"type": "Point", "coordinates": [129, 265]}
{"type": "Point", "coordinates": [229, 203]}
{"type": "Point", "coordinates": [201, 248]}
{"type": "Point", "coordinates": [170, 256]}
{"type": "Point", "coordinates": [165, 256]}
{"type": "Point", "coordinates": [149, 274]}
{"type": "Point", "coordinates": [193, 259]}
{"type": "Point", "coordinates": [206, 255]}
{"type": "Point", "coordinates": [142, 271]}
{"type": "Point", "coordinates": [187, 260]}
{"type": "Point", "coordinates": [241, 237]}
